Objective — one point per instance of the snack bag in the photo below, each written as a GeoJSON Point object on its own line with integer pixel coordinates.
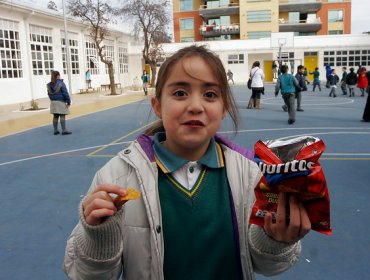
{"type": "Point", "coordinates": [292, 166]}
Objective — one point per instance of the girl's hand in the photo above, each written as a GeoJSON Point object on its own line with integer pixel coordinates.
{"type": "Point", "coordinates": [288, 230]}
{"type": "Point", "coordinates": [99, 205]}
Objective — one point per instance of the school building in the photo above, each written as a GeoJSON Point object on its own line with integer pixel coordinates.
{"type": "Point", "coordinates": [204, 20]}
{"type": "Point", "coordinates": [311, 51]}
{"type": "Point", "coordinates": [33, 43]}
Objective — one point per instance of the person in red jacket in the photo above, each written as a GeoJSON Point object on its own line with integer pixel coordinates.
{"type": "Point", "coordinates": [362, 81]}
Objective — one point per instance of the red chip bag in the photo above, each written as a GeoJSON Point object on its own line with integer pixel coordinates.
{"type": "Point", "coordinates": [292, 166]}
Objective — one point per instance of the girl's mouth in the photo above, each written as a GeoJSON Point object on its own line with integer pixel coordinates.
{"type": "Point", "coordinates": [194, 123]}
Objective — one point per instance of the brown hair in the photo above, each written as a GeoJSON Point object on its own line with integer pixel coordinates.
{"type": "Point", "coordinates": [218, 70]}
{"type": "Point", "coordinates": [54, 77]}
{"type": "Point", "coordinates": [256, 64]}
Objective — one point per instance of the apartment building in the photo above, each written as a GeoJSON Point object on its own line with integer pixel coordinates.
{"type": "Point", "coordinates": [202, 20]}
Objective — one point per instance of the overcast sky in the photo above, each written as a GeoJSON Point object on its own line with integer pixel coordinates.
{"type": "Point", "coordinates": [360, 14]}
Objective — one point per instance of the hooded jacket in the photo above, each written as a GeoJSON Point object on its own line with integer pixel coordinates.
{"type": "Point", "coordinates": [131, 241]}
{"type": "Point", "coordinates": [59, 92]}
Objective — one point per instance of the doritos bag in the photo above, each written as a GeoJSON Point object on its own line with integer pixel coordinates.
{"type": "Point", "coordinates": [292, 166]}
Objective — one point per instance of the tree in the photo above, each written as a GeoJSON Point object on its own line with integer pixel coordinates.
{"type": "Point", "coordinates": [150, 19]}
{"type": "Point", "coordinates": [52, 6]}
{"type": "Point", "coordinates": [97, 14]}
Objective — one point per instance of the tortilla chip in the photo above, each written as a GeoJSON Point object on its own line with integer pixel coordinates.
{"type": "Point", "coordinates": [131, 194]}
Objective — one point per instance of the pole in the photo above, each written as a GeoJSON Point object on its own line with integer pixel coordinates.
{"type": "Point", "coordinates": [67, 51]}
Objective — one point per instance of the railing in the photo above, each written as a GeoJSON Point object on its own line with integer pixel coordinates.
{"type": "Point", "coordinates": [219, 29]}
{"type": "Point", "coordinates": [204, 7]}
{"type": "Point", "coordinates": [308, 21]}
{"type": "Point", "coordinates": [299, 1]}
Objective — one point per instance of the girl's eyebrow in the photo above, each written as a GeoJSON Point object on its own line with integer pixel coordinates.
{"type": "Point", "coordinates": [186, 84]}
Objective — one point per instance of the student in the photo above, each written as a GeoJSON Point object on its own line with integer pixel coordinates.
{"type": "Point", "coordinates": [351, 81]}
{"type": "Point", "coordinates": [362, 81]}
{"type": "Point", "coordinates": [192, 221]}
{"type": "Point", "coordinates": [298, 90]}
{"type": "Point", "coordinates": [88, 78]}
{"type": "Point", "coordinates": [257, 75]}
{"type": "Point", "coordinates": [145, 80]}
{"type": "Point", "coordinates": [328, 73]}
{"type": "Point", "coordinates": [305, 75]}
{"type": "Point", "coordinates": [333, 80]}
{"type": "Point", "coordinates": [230, 76]}
{"type": "Point", "coordinates": [287, 84]}
{"type": "Point", "coordinates": [366, 114]}
{"type": "Point", "coordinates": [59, 102]}
{"type": "Point", "coordinates": [343, 84]}
{"type": "Point", "coordinates": [316, 79]}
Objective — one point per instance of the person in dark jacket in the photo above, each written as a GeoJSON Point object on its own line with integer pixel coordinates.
{"type": "Point", "coordinates": [60, 102]}
{"type": "Point", "coordinates": [343, 84]}
{"type": "Point", "coordinates": [333, 80]}
{"type": "Point", "coordinates": [328, 73]}
{"type": "Point", "coordinates": [366, 115]}
{"type": "Point", "coordinates": [351, 81]}
{"type": "Point", "coordinates": [298, 90]}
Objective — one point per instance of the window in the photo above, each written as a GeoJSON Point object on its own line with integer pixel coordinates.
{"type": "Point", "coordinates": [73, 53]}
{"type": "Point", "coordinates": [259, 34]}
{"type": "Point", "coordinates": [347, 57]}
{"type": "Point", "coordinates": [41, 50]}
{"type": "Point", "coordinates": [109, 53]}
{"type": "Point", "coordinates": [235, 59]}
{"type": "Point", "coordinates": [10, 52]}
{"type": "Point", "coordinates": [123, 59]}
{"type": "Point", "coordinates": [259, 16]}
{"type": "Point", "coordinates": [92, 61]}
{"type": "Point", "coordinates": [186, 5]}
{"type": "Point", "coordinates": [335, 15]}
{"type": "Point", "coordinates": [187, 24]}
{"type": "Point", "coordinates": [187, 39]}
{"type": "Point", "coordinates": [335, 32]}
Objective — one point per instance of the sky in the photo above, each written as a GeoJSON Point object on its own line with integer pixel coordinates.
{"type": "Point", "coordinates": [360, 15]}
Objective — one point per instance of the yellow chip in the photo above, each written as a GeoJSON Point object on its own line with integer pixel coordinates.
{"type": "Point", "coordinates": [131, 194]}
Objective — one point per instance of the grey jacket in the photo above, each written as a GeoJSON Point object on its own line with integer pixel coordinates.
{"type": "Point", "coordinates": [131, 242]}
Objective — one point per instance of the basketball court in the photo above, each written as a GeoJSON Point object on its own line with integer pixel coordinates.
{"type": "Point", "coordinates": [44, 177]}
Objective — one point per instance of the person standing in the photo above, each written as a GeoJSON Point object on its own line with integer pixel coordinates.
{"type": "Point", "coordinates": [257, 75]}
{"type": "Point", "coordinates": [362, 81]}
{"type": "Point", "coordinates": [305, 75]}
{"type": "Point", "coordinates": [316, 79]}
{"type": "Point", "coordinates": [145, 79]}
{"type": "Point", "coordinates": [230, 76]}
{"type": "Point", "coordinates": [343, 84]}
{"type": "Point", "coordinates": [59, 102]}
{"type": "Point", "coordinates": [298, 90]}
{"type": "Point", "coordinates": [351, 81]}
{"type": "Point", "coordinates": [333, 80]}
{"type": "Point", "coordinates": [328, 73]}
{"type": "Point", "coordinates": [88, 78]}
{"type": "Point", "coordinates": [287, 84]}
{"type": "Point", "coordinates": [366, 114]}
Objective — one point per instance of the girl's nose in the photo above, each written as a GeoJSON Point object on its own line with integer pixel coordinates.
{"type": "Point", "coordinates": [195, 103]}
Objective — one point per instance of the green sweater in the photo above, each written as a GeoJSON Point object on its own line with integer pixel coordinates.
{"type": "Point", "coordinates": [199, 241]}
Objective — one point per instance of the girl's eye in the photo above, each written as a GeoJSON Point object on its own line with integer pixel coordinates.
{"type": "Point", "coordinates": [210, 94]}
{"type": "Point", "coordinates": [179, 93]}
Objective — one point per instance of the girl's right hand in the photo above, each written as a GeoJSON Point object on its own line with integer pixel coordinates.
{"type": "Point", "coordinates": [99, 204]}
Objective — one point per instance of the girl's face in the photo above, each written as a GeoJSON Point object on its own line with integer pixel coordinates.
{"type": "Point", "coordinates": [191, 107]}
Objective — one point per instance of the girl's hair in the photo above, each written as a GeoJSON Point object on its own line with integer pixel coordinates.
{"type": "Point", "coordinates": [54, 77]}
{"type": "Point", "coordinates": [317, 68]}
{"type": "Point", "coordinates": [256, 64]}
{"type": "Point", "coordinates": [218, 70]}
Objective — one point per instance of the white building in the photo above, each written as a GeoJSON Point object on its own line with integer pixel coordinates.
{"type": "Point", "coordinates": [32, 43]}
{"type": "Point", "coordinates": [310, 51]}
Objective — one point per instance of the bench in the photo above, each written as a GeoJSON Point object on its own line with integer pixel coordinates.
{"type": "Point", "coordinates": [107, 86]}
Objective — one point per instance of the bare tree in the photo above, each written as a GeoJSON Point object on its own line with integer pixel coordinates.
{"type": "Point", "coordinates": [98, 14]}
{"type": "Point", "coordinates": [150, 20]}
{"type": "Point", "coordinates": [52, 6]}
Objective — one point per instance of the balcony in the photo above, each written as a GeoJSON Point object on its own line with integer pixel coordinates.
{"type": "Point", "coordinates": [306, 6]}
{"type": "Point", "coordinates": [207, 12]}
{"type": "Point", "coordinates": [217, 30]}
{"type": "Point", "coordinates": [311, 25]}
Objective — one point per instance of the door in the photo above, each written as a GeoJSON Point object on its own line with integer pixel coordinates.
{"type": "Point", "coordinates": [310, 62]}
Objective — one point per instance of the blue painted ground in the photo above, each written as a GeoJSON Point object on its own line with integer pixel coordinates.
{"type": "Point", "coordinates": [43, 177]}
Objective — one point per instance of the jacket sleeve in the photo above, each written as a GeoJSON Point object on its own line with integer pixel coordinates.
{"type": "Point", "coordinates": [65, 94]}
{"type": "Point", "coordinates": [271, 257]}
{"type": "Point", "coordinates": [95, 252]}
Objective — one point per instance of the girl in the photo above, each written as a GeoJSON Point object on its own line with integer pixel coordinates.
{"type": "Point", "coordinates": [362, 80]}
{"type": "Point", "coordinates": [145, 79]}
{"type": "Point", "coordinates": [197, 188]}
{"type": "Point", "coordinates": [257, 77]}
{"type": "Point", "coordinates": [60, 101]}
{"type": "Point", "coordinates": [316, 79]}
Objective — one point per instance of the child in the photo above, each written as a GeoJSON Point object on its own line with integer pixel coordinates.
{"type": "Point", "coordinates": [316, 79]}
{"type": "Point", "coordinates": [343, 84]}
{"type": "Point", "coordinates": [287, 84]}
{"type": "Point", "coordinates": [351, 81]}
{"type": "Point", "coordinates": [362, 80]}
{"type": "Point", "coordinates": [192, 221]}
{"type": "Point", "coordinates": [145, 79]}
{"type": "Point", "coordinates": [333, 80]}
{"type": "Point", "coordinates": [230, 76]}
{"type": "Point", "coordinates": [59, 102]}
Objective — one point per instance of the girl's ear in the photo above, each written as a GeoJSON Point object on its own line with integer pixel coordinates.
{"type": "Point", "coordinates": [156, 105]}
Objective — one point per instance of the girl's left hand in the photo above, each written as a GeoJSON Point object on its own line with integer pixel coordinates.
{"type": "Point", "coordinates": [288, 230]}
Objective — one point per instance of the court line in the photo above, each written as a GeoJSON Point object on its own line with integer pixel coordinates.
{"type": "Point", "coordinates": [119, 139]}
{"type": "Point", "coordinates": [293, 128]}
